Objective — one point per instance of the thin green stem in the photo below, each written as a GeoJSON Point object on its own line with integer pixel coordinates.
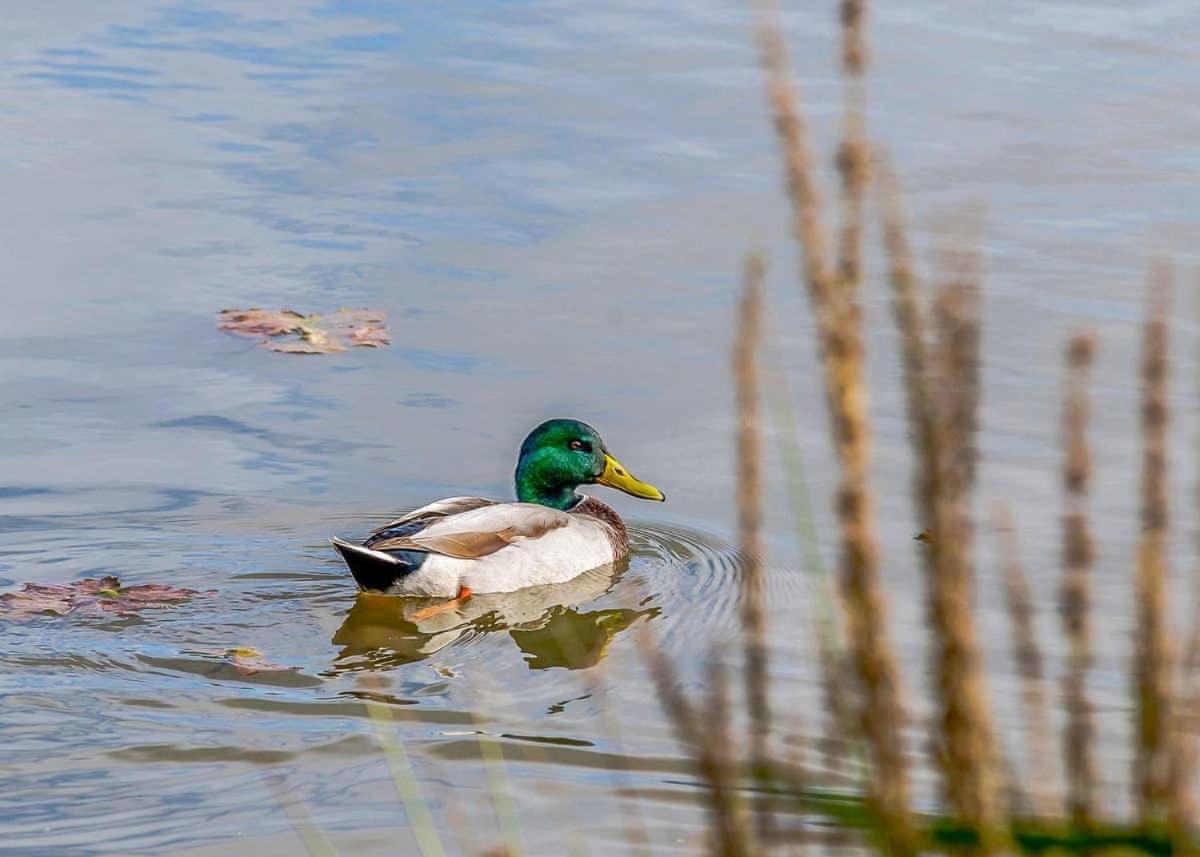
{"type": "Point", "coordinates": [407, 787]}
{"type": "Point", "coordinates": [501, 791]}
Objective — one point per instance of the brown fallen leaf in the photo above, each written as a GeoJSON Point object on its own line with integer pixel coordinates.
{"type": "Point", "coordinates": [925, 537]}
{"type": "Point", "coordinates": [314, 334]}
{"type": "Point", "coordinates": [367, 328]}
{"type": "Point", "coordinates": [246, 660]}
{"type": "Point", "coordinates": [91, 597]}
{"type": "Point", "coordinates": [261, 322]}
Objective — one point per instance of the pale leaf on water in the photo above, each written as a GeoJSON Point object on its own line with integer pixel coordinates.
{"type": "Point", "coordinates": [261, 322]}
{"type": "Point", "coordinates": [290, 332]}
{"type": "Point", "coordinates": [246, 660]}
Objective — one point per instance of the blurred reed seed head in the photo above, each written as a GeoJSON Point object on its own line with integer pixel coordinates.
{"type": "Point", "coordinates": [746, 372]}
{"type": "Point", "coordinates": [943, 386]}
{"type": "Point", "coordinates": [1075, 589]}
{"type": "Point", "coordinates": [1153, 656]}
{"type": "Point", "coordinates": [854, 43]}
{"type": "Point", "coordinates": [940, 349]}
{"type": "Point", "coordinates": [1036, 796]}
{"type": "Point", "coordinates": [709, 740]}
{"type": "Point", "coordinates": [940, 344]}
{"type": "Point", "coordinates": [834, 301]}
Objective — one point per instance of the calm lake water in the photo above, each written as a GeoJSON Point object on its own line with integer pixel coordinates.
{"type": "Point", "coordinates": [550, 200]}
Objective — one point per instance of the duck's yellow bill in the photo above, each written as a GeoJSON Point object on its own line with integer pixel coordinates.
{"type": "Point", "coordinates": [616, 476]}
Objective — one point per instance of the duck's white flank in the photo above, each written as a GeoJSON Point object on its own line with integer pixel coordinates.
{"type": "Point", "coordinates": [556, 556]}
{"type": "Point", "coordinates": [491, 547]}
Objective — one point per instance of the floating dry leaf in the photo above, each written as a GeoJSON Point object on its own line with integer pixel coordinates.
{"type": "Point", "coordinates": [91, 597]}
{"type": "Point", "coordinates": [313, 334]}
{"type": "Point", "coordinates": [261, 322]}
{"type": "Point", "coordinates": [925, 537]}
{"type": "Point", "coordinates": [246, 660]}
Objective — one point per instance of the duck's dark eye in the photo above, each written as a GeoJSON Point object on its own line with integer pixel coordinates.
{"type": "Point", "coordinates": [577, 445]}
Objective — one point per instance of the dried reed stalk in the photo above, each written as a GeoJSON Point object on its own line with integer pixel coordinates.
{"type": "Point", "coordinates": [1187, 715]}
{"type": "Point", "coordinates": [853, 159]}
{"type": "Point", "coordinates": [1153, 656]}
{"type": "Point", "coordinates": [1181, 808]}
{"type": "Point", "coordinates": [1027, 656]}
{"type": "Point", "coordinates": [750, 512]}
{"type": "Point", "coordinates": [710, 746]}
{"type": "Point", "coordinates": [839, 326]}
{"type": "Point", "coordinates": [909, 313]}
{"type": "Point", "coordinates": [791, 128]}
{"type": "Point", "coordinates": [942, 397]}
{"type": "Point", "coordinates": [853, 163]}
{"type": "Point", "coordinates": [964, 736]}
{"type": "Point", "coordinates": [1075, 590]}
{"type": "Point", "coordinates": [854, 46]}
{"type": "Point", "coordinates": [723, 775]}
{"type": "Point", "coordinates": [957, 321]}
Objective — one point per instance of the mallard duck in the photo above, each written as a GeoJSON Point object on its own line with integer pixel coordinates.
{"type": "Point", "coordinates": [460, 545]}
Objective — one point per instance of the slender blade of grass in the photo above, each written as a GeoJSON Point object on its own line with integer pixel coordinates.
{"type": "Point", "coordinates": [500, 789]}
{"type": "Point", "coordinates": [314, 840]}
{"type": "Point", "coordinates": [823, 602]}
{"type": "Point", "coordinates": [420, 820]}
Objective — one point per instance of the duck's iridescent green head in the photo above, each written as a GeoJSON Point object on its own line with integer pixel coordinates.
{"type": "Point", "coordinates": [560, 455]}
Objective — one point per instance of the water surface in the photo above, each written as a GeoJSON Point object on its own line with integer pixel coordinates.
{"type": "Point", "coordinates": [550, 200]}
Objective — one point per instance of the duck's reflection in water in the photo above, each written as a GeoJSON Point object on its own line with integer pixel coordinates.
{"type": "Point", "coordinates": [545, 622]}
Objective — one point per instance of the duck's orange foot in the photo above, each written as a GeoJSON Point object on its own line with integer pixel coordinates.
{"type": "Point", "coordinates": [425, 612]}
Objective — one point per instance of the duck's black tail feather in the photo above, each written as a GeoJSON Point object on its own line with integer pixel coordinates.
{"type": "Point", "coordinates": [374, 571]}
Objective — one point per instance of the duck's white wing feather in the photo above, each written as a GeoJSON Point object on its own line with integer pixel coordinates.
{"type": "Point", "coordinates": [440, 509]}
{"type": "Point", "coordinates": [481, 531]}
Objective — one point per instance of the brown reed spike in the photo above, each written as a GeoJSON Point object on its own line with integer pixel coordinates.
{"type": "Point", "coordinates": [1153, 656]}
{"type": "Point", "coordinates": [1187, 711]}
{"type": "Point", "coordinates": [1027, 655]}
{"type": "Point", "coordinates": [956, 316]}
{"type": "Point", "coordinates": [909, 313]}
{"type": "Point", "coordinates": [942, 396]}
{"type": "Point", "coordinates": [722, 777]}
{"type": "Point", "coordinates": [854, 47]}
{"type": "Point", "coordinates": [853, 164]}
{"type": "Point", "coordinates": [839, 326]}
{"type": "Point", "coordinates": [750, 512]}
{"type": "Point", "coordinates": [709, 746]}
{"type": "Point", "coordinates": [964, 737]}
{"type": "Point", "coordinates": [853, 159]}
{"type": "Point", "coordinates": [792, 130]}
{"type": "Point", "coordinates": [1075, 590]}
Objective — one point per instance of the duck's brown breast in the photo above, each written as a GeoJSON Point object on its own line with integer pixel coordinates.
{"type": "Point", "coordinates": [614, 527]}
